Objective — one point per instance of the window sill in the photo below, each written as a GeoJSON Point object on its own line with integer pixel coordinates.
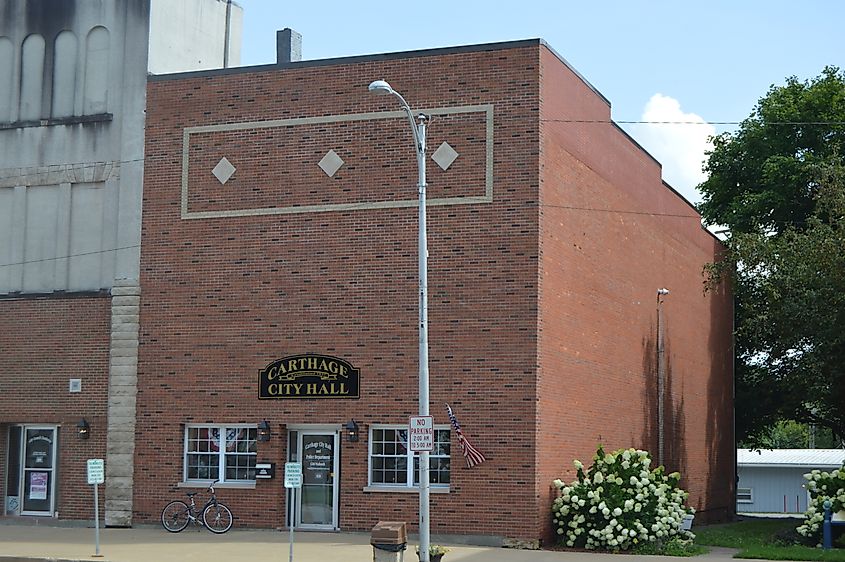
{"type": "Point", "coordinates": [205, 484]}
{"type": "Point", "coordinates": [405, 489]}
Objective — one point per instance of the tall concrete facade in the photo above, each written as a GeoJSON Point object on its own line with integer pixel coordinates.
{"type": "Point", "coordinates": [194, 34]}
{"type": "Point", "coordinates": [72, 108]}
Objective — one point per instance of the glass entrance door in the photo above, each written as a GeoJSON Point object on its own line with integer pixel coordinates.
{"type": "Point", "coordinates": [37, 482]}
{"type": "Point", "coordinates": [317, 506]}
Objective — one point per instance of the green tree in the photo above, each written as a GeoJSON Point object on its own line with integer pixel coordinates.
{"type": "Point", "coordinates": [765, 176]}
{"type": "Point", "coordinates": [790, 434]}
{"type": "Point", "coordinates": [790, 330]}
{"type": "Point", "coordinates": [777, 185]}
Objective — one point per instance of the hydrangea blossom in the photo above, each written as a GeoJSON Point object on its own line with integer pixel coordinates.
{"type": "Point", "coordinates": [619, 502]}
{"type": "Point", "coordinates": [823, 486]}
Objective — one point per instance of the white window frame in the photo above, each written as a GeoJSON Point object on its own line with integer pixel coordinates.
{"type": "Point", "coordinates": [742, 491]}
{"type": "Point", "coordinates": [410, 455]}
{"type": "Point", "coordinates": [220, 453]}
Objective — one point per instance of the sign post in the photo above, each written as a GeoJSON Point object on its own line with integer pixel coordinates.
{"type": "Point", "coordinates": [421, 433]}
{"type": "Point", "coordinates": [96, 476]}
{"type": "Point", "coordinates": [293, 480]}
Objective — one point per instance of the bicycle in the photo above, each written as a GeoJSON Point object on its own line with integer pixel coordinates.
{"type": "Point", "coordinates": [215, 516]}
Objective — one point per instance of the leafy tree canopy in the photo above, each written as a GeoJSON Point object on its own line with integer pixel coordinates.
{"type": "Point", "coordinates": [778, 184]}
{"type": "Point", "coordinates": [790, 315]}
{"type": "Point", "coordinates": [764, 176]}
{"type": "Point", "coordinates": [790, 434]}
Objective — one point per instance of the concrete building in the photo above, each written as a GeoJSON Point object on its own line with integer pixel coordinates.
{"type": "Point", "coordinates": [279, 276]}
{"type": "Point", "coordinates": [72, 101]}
{"type": "Point", "coordinates": [772, 481]}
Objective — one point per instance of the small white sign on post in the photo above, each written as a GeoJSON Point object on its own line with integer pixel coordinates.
{"type": "Point", "coordinates": [293, 475]}
{"type": "Point", "coordinates": [96, 476]}
{"type": "Point", "coordinates": [293, 479]}
{"type": "Point", "coordinates": [96, 471]}
{"type": "Point", "coordinates": [421, 433]}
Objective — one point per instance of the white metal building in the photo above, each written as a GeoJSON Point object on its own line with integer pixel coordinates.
{"type": "Point", "coordinates": [772, 481]}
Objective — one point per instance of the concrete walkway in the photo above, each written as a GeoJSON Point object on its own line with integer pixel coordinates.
{"type": "Point", "coordinates": [149, 544]}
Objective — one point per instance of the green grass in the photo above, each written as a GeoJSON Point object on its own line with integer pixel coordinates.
{"type": "Point", "coordinates": [755, 538]}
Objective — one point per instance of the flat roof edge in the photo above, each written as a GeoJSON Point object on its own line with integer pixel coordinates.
{"type": "Point", "coordinates": [353, 59]}
{"type": "Point", "coordinates": [575, 71]}
{"type": "Point", "coordinates": [663, 181]}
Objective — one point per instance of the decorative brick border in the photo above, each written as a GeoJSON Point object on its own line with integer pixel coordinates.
{"type": "Point", "coordinates": [488, 183]}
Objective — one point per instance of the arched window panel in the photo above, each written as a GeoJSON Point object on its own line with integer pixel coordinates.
{"type": "Point", "coordinates": [96, 71]}
{"type": "Point", "coordinates": [32, 77]}
{"type": "Point", "coordinates": [7, 68]}
{"type": "Point", "coordinates": [64, 74]}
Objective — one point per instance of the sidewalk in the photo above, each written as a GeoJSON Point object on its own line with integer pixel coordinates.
{"type": "Point", "coordinates": [149, 544]}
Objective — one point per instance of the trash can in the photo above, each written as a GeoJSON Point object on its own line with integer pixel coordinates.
{"type": "Point", "coordinates": [389, 540]}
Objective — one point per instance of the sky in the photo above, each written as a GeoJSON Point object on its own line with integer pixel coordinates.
{"type": "Point", "coordinates": [685, 60]}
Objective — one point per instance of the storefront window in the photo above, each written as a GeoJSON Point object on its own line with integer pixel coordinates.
{"type": "Point", "coordinates": [392, 464]}
{"type": "Point", "coordinates": [220, 453]}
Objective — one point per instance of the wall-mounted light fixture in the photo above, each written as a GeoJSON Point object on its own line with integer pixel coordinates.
{"type": "Point", "coordinates": [83, 430]}
{"type": "Point", "coordinates": [351, 431]}
{"type": "Point", "coordinates": [263, 431]}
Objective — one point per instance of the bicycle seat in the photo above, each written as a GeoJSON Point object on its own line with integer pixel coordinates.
{"type": "Point", "coordinates": [190, 494]}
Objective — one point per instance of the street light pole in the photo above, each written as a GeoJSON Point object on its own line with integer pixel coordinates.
{"type": "Point", "coordinates": [418, 128]}
{"type": "Point", "coordinates": [661, 373]}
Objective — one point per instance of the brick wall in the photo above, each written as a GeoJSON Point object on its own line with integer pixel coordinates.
{"type": "Point", "coordinates": [46, 342]}
{"type": "Point", "coordinates": [224, 296]}
{"type": "Point", "coordinates": [542, 316]}
{"type": "Point", "coordinates": [611, 234]}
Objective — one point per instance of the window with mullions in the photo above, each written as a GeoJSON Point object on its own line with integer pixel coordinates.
{"type": "Point", "coordinates": [220, 453]}
{"type": "Point", "coordinates": [392, 464]}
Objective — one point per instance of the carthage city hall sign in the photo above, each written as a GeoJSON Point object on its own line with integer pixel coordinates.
{"type": "Point", "coordinates": [308, 376]}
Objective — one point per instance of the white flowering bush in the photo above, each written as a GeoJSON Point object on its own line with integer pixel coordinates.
{"type": "Point", "coordinates": [822, 486]}
{"type": "Point", "coordinates": [620, 502]}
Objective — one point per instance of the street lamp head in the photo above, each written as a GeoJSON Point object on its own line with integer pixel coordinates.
{"type": "Point", "coordinates": [663, 291]}
{"type": "Point", "coordinates": [380, 87]}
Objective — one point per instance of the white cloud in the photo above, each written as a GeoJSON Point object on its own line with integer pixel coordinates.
{"type": "Point", "coordinates": [678, 147]}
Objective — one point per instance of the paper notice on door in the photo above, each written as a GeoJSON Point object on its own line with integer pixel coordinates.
{"type": "Point", "coordinates": [38, 485]}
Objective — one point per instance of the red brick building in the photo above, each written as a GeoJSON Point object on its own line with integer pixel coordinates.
{"type": "Point", "coordinates": [549, 234]}
{"type": "Point", "coordinates": [47, 341]}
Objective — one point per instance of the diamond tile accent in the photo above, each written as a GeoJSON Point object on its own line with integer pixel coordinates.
{"type": "Point", "coordinates": [444, 155]}
{"type": "Point", "coordinates": [223, 170]}
{"type": "Point", "coordinates": [331, 163]}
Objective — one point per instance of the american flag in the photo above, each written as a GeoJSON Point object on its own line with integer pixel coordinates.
{"type": "Point", "coordinates": [472, 456]}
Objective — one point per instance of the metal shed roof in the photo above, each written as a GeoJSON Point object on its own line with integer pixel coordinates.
{"type": "Point", "coordinates": [797, 458]}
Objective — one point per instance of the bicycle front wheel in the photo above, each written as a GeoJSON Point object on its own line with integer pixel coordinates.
{"type": "Point", "coordinates": [217, 518]}
{"type": "Point", "coordinates": [174, 516]}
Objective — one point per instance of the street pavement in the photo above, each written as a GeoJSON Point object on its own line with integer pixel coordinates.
{"type": "Point", "coordinates": [31, 543]}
